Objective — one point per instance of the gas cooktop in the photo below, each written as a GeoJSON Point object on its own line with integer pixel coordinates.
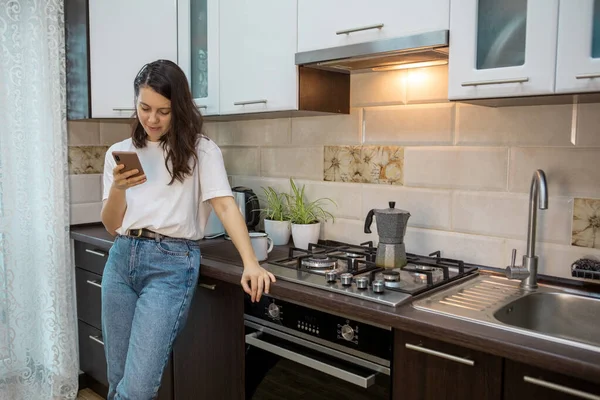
{"type": "Point", "coordinates": [351, 270]}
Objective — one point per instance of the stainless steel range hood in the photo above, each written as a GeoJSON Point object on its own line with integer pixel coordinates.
{"type": "Point", "coordinates": [424, 49]}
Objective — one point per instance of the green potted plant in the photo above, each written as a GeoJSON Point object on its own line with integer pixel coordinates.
{"type": "Point", "coordinates": [275, 213]}
{"type": "Point", "coordinates": [306, 216]}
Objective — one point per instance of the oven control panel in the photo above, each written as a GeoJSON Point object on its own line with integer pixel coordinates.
{"type": "Point", "coordinates": [326, 326]}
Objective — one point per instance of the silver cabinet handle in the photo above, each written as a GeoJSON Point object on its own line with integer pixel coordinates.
{"type": "Point", "coordinates": [362, 381]}
{"type": "Point", "coordinates": [360, 28]}
{"type": "Point", "coordinates": [496, 82]}
{"type": "Point", "coordinates": [243, 103]}
{"type": "Point", "coordinates": [561, 388]}
{"type": "Point", "coordinates": [123, 109]}
{"type": "Point", "coordinates": [587, 76]}
{"type": "Point", "coordinates": [97, 339]}
{"type": "Point", "coordinates": [425, 350]}
{"type": "Point", "coordinates": [94, 283]}
{"type": "Point", "coordinates": [207, 286]}
{"type": "Point", "coordinates": [202, 107]}
{"type": "Point", "coordinates": [97, 253]}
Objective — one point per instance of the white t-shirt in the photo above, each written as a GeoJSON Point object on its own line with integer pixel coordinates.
{"type": "Point", "coordinates": [178, 210]}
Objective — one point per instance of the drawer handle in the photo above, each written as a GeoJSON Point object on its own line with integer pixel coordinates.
{"type": "Point", "coordinates": [495, 82]}
{"type": "Point", "coordinates": [207, 286]}
{"type": "Point", "coordinates": [243, 103]}
{"type": "Point", "coordinates": [94, 283]}
{"type": "Point", "coordinates": [97, 253]}
{"type": "Point", "coordinates": [200, 107]}
{"type": "Point", "coordinates": [422, 349]}
{"type": "Point", "coordinates": [97, 339]}
{"type": "Point", "coordinates": [123, 109]}
{"type": "Point", "coordinates": [561, 388]}
{"type": "Point", "coordinates": [587, 76]}
{"type": "Point", "coordinates": [360, 28]}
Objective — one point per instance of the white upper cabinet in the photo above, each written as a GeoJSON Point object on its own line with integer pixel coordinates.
{"type": "Point", "coordinates": [257, 46]}
{"type": "Point", "coordinates": [323, 24]}
{"type": "Point", "coordinates": [198, 25]}
{"type": "Point", "coordinates": [125, 35]}
{"type": "Point", "coordinates": [502, 48]}
{"type": "Point", "coordinates": [578, 55]}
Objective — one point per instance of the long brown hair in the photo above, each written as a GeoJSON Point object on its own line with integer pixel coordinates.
{"type": "Point", "coordinates": [167, 79]}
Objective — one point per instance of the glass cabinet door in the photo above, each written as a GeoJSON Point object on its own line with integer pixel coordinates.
{"type": "Point", "coordinates": [198, 51]}
{"type": "Point", "coordinates": [502, 48]}
{"type": "Point", "coordinates": [578, 55]}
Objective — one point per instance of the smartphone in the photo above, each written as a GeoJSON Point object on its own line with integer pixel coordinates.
{"type": "Point", "coordinates": [131, 161]}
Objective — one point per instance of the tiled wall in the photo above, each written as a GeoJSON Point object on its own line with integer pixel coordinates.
{"type": "Point", "coordinates": [464, 171]}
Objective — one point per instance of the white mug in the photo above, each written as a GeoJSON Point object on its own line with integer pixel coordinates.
{"type": "Point", "coordinates": [262, 245]}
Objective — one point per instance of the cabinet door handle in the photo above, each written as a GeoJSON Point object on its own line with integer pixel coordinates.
{"type": "Point", "coordinates": [98, 253]}
{"type": "Point", "coordinates": [207, 286]}
{"type": "Point", "coordinates": [587, 76]}
{"type": "Point", "coordinates": [360, 28]}
{"type": "Point", "coordinates": [243, 103]}
{"type": "Point", "coordinates": [94, 283]}
{"type": "Point", "coordinates": [201, 107]}
{"type": "Point", "coordinates": [97, 339]}
{"type": "Point", "coordinates": [496, 82]}
{"type": "Point", "coordinates": [425, 350]}
{"type": "Point", "coordinates": [561, 388]}
{"type": "Point", "coordinates": [123, 109]}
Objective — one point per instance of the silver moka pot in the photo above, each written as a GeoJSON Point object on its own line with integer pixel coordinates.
{"type": "Point", "coordinates": [391, 227]}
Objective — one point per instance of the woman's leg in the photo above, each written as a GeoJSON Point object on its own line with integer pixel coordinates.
{"type": "Point", "coordinates": [166, 277]}
{"type": "Point", "coordinates": [118, 307]}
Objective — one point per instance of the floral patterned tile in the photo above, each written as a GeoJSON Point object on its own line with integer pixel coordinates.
{"type": "Point", "coordinates": [364, 164]}
{"type": "Point", "coordinates": [86, 159]}
{"type": "Point", "coordinates": [586, 223]}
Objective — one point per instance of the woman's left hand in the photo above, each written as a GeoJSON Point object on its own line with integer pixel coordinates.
{"type": "Point", "coordinates": [260, 279]}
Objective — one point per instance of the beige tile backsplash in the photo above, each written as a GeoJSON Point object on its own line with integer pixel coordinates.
{"type": "Point", "coordinates": [466, 169]}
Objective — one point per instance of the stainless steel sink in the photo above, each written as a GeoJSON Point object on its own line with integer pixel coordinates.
{"type": "Point", "coordinates": [545, 312]}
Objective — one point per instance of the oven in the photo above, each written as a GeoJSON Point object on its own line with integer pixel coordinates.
{"type": "Point", "coordinates": [296, 352]}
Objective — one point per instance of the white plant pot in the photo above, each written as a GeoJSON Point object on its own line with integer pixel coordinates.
{"type": "Point", "coordinates": [303, 234]}
{"type": "Point", "coordinates": [278, 231]}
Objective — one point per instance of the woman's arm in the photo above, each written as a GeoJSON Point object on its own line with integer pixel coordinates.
{"type": "Point", "coordinates": [229, 214]}
{"type": "Point", "coordinates": [113, 208]}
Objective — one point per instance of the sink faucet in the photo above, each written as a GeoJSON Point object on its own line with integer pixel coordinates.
{"type": "Point", "coordinates": [538, 197]}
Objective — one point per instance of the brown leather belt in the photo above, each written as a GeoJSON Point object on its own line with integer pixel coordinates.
{"type": "Point", "coordinates": [145, 233]}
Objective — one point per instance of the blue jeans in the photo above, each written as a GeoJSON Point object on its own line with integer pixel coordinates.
{"type": "Point", "coordinates": [147, 287]}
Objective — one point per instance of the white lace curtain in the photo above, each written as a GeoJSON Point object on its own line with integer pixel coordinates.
{"type": "Point", "coordinates": [38, 331]}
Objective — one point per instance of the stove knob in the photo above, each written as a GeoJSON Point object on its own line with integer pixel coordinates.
{"type": "Point", "coordinates": [362, 282]}
{"type": "Point", "coordinates": [331, 276]}
{"type": "Point", "coordinates": [347, 332]}
{"type": "Point", "coordinates": [346, 279]}
{"type": "Point", "coordinates": [273, 310]}
{"type": "Point", "coordinates": [378, 286]}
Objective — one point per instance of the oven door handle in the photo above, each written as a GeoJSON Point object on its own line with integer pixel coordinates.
{"type": "Point", "coordinates": [253, 339]}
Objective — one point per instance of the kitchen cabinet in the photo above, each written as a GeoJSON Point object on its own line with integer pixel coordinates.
{"type": "Point", "coordinates": [123, 36]}
{"type": "Point", "coordinates": [257, 45]}
{"type": "Point", "coordinates": [198, 50]}
{"type": "Point", "coordinates": [502, 48]}
{"type": "Point", "coordinates": [208, 356]}
{"type": "Point", "coordinates": [89, 267]}
{"type": "Point", "coordinates": [523, 381]}
{"type": "Point", "coordinates": [578, 49]}
{"type": "Point", "coordinates": [425, 368]}
{"type": "Point", "coordinates": [323, 24]}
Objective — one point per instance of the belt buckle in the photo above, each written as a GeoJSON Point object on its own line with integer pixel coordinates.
{"type": "Point", "coordinates": [139, 233]}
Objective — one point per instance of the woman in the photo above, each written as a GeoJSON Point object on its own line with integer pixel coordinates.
{"type": "Point", "coordinates": [153, 265]}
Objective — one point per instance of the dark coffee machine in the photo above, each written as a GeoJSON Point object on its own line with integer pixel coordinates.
{"type": "Point", "coordinates": [391, 227]}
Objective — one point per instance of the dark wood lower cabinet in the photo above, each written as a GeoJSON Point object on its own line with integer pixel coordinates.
{"type": "Point", "coordinates": [429, 369]}
{"type": "Point", "coordinates": [208, 357]}
{"type": "Point", "coordinates": [525, 382]}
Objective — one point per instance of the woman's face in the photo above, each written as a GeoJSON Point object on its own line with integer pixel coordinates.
{"type": "Point", "coordinates": [154, 113]}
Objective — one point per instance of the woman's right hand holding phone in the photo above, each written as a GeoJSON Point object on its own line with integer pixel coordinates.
{"type": "Point", "coordinates": [123, 181]}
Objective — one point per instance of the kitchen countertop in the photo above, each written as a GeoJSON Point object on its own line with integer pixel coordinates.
{"type": "Point", "coordinates": [221, 261]}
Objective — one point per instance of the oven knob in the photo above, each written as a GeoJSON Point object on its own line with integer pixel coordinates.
{"type": "Point", "coordinates": [378, 286]}
{"type": "Point", "coordinates": [346, 279]}
{"type": "Point", "coordinates": [362, 282]}
{"type": "Point", "coordinates": [331, 276]}
{"type": "Point", "coordinates": [273, 310]}
{"type": "Point", "coordinates": [347, 332]}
